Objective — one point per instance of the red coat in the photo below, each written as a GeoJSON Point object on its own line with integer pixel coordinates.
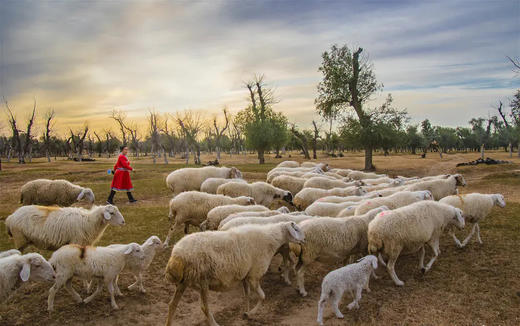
{"type": "Point", "coordinates": [121, 181]}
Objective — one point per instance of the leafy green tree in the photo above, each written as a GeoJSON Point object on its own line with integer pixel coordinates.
{"type": "Point", "coordinates": [413, 138]}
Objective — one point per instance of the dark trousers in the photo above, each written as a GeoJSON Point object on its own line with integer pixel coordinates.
{"type": "Point", "coordinates": [113, 193]}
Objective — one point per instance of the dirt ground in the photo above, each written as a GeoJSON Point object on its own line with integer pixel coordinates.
{"type": "Point", "coordinates": [478, 285]}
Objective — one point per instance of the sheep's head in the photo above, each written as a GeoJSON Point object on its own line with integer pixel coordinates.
{"type": "Point", "coordinates": [134, 250]}
{"type": "Point", "coordinates": [370, 259]}
{"type": "Point", "coordinates": [425, 195]}
{"type": "Point", "coordinates": [235, 173]}
{"type": "Point", "coordinates": [287, 197]}
{"type": "Point", "coordinates": [283, 210]}
{"type": "Point", "coordinates": [86, 194]}
{"type": "Point", "coordinates": [360, 191]}
{"type": "Point", "coordinates": [295, 232]}
{"type": "Point", "coordinates": [460, 180]}
{"type": "Point", "coordinates": [246, 200]}
{"type": "Point", "coordinates": [153, 241]}
{"type": "Point", "coordinates": [499, 200]}
{"type": "Point", "coordinates": [112, 215]}
{"type": "Point", "coordinates": [397, 182]}
{"type": "Point", "coordinates": [203, 226]}
{"type": "Point", "coordinates": [458, 218]}
{"type": "Point", "coordinates": [36, 268]}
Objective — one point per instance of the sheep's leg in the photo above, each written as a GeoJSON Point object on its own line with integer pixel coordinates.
{"type": "Point", "coordinates": [111, 290]}
{"type": "Point", "coordinates": [70, 289]}
{"type": "Point", "coordinates": [88, 285]}
{"type": "Point", "coordinates": [245, 285]}
{"type": "Point", "coordinates": [60, 281]}
{"type": "Point", "coordinates": [478, 233]}
{"type": "Point", "coordinates": [457, 241]}
{"type": "Point", "coordinates": [381, 260]}
{"type": "Point", "coordinates": [136, 283]}
{"type": "Point", "coordinates": [141, 285]}
{"type": "Point", "coordinates": [94, 294]}
{"type": "Point", "coordinates": [116, 287]}
{"type": "Point", "coordinates": [204, 305]}
{"type": "Point", "coordinates": [374, 275]}
{"type": "Point", "coordinates": [470, 235]}
{"type": "Point", "coordinates": [421, 258]}
{"type": "Point", "coordinates": [261, 295]}
{"type": "Point", "coordinates": [173, 229]}
{"type": "Point", "coordinates": [300, 280]}
{"type": "Point", "coordinates": [355, 303]}
{"type": "Point", "coordinates": [435, 247]}
{"type": "Point", "coordinates": [391, 270]}
{"type": "Point", "coordinates": [286, 263]}
{"type": "Point", "coordinates": [174, 302]}
{"type": "Point", "coordinates": [321, 306]}
{"type": "Point", "coordinates": [336, 298]}
{"type": "Point", "coordinates": [366, 286]}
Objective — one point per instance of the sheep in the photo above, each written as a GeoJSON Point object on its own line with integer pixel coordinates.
{"type": "Point", "coordinates": [326, 183]}
{"type": "Point", "coordinates": [409, 229]}
{"type": "Point", "coordinates": [16, 270]}
{"type": "Point", "coordinates": [341, 199]}
{"type": "Point", "coordinates": [475, 208]}
{"type": "Point", "coordinates": [330, 240]}
{"type": "Point", "coordinates": [342, 172]}
{"type": "Point", "coordinates": [243, 220]}
{"type": "Point", "coordinates": [137, 265]}
{"type": "Point", "coordinates": [439, 188]}
{"type": "Point", "coordinates": [380, 186]}
{"type": "Point", "coordinates": [359, 175]}
{"type": "Point", "coordinates": [289, 183]}
{"type": "Point", "coordinates": [262, 192]}
{"type": "Point", "coordinates": [267, 213]}
{"type": "Point", "coordinates": [288, 164]}
{"type": "Point", "coordinates": [381, 180]}
{"type": "Point", "coordinates": [192, 207]}
{"type": "Point", "coordinates": [210, 185]}
{"type": "Point", "coordinates": [327, 209]}
{"type": "Point", "coordinates": [54, 192]}
{"type": "Point", "coordinates": [307, 196]}
{"type": "Point", "coordinates": [323, 166]}
{"type": "Point", "coordinates": [295, 173]}
{"type": "Point", "coordinates": [50, 227]}
{"type": "Point", "coordinates": [188, 179]}
{"type": "Point", "coordinates": [352, 278]}
{"type": "Point", "coordinates": [216, 260]}
{"type": "Point", "coordinates": [336, 176]}
{"type": "Point", "coordinates": [90, 263]}
{"type": "Point", "coordinates": [399, 199]}
{"type": "Point", "coordinates": [217, 214]}
{"type": "Point", "coordinates": [9, 253]}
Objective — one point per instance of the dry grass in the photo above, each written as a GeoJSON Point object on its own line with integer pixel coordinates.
{"type": "Point", "coordinates": [475, 286]}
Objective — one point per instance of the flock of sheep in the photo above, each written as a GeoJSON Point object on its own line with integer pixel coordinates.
{"type": "Point", "coordinates": [340, 214]}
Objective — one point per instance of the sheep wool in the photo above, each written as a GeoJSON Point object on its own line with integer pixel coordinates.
{"type": "Point", "coordinates": [439, 188]}
{"type": "Point", "coordinates": [54, 192]}
{"type": "Point", "coordinates": [210, 185]}
{"type": "Point", "coordinates": [217, 214]}
{"type": "Point", "coordinates": [289, 183]}
{"type": "Point", "coordinates": [399, 199]}
{"type": "Point", "coordinates": [262, 192]}
{"type": "Point", "coordinates": [188, 179]}
{"type": "Point", "coordinates": [307, 196]}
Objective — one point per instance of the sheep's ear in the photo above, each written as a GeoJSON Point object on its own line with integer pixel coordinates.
{"type": "Point", "coordinates": [128, 250]}
{"type": "Point", "coordinates": [107, 214]}
{"type": "Point", "coordinates": [25, 272]}
{"type": "Point", "coordinates": [374, 263]}
{"type": "Point", "coordinates": [293, 232]}
{"type": "Point", "coordinates": [81, 195]}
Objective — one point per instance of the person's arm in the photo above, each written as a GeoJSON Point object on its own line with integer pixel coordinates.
{"type": "Point", "coordinates": [125, 163]}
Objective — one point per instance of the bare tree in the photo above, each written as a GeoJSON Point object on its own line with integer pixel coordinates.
{"type": "Point", "coordinates": [302, 141]}
{"type": "Point", "coordinates": [191, 125]}
{"type": "Point", "coordinates": [153, 120]}
{"type": "Point", "coordinates": [120, 117]}
{"type": "Point", "coordinates": [169, 134]}
{"type": "Point", "coordinates": [315, 140]}
{"type": "Point", "coordinates": [78, 141]}
{"type": "Point", "coordinates": [219, 131]}
{"type": "Point", "coordinates": [17, 137]}
{"type": "Point", "coordinates": [516, 64]}
{"type": "Point", "coordinates": [49, 124]}
{"type": "Point", "coordinates": [506, 123]}
{"type": "Point", "coordinates": [27, 146]}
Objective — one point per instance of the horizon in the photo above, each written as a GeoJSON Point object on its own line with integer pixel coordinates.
{"type": "Point", "coordinates": [444, 61]}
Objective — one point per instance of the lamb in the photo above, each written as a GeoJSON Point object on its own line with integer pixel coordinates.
{"type": "Point", "coordinates": [319, 208]}
{"type": "Point", "coordinates": [192, 207]}
{"type": "Point", "coordinates": [326, 183]}
{"type": "Point", "coordinates": [138, 266]}
{"type": "Point", "coordinates": [439, 188]}
{"type": "Point", "coordinates": [307, 196]}
{"type": "Point", "coordinates": [16, 270]}
{"type": "Point", "coordinates": [216, 260]}
{"type": "Point", "coordinates": [475, 208]}
{"type": "Point", "coordinates": [359, 175]}
{"type": "Point", "coordinates": [288, 164]}
{"type": "Point", "coordinates": [217, 214]}
{"type": "Point", "coordinates": [331, 240]}
{"type": "Point", "coordinates": [399, 199]}
{"type": "Point", "coordinates": [267, 213]}
{"type": "Point", "coordinates": [289, 183]}
{"type": "Point", "coordinates": [262, 192]}
{"type": "Point", "coordinates": [50, 227]}
{"type": "Point", "coordinates": [54, 192]}
{"type": "Point", "coordinates": [409, 229]}
{"type": "Point", "coordinates": [188, 179]}
{"type": "Point", "coordinates": [210, 185]}
{"type": "Point", "coordinates": [89, 263]}
{"type": "Point", "coordinates": [353, 278]}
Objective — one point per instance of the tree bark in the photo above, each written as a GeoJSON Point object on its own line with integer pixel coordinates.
{"type": "Point", "coordinates": [261, 158]}
{"type": "Point", "coordinates": [368, 158]}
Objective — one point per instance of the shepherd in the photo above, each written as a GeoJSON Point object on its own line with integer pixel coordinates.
{"type": "Point", "coordinates": [121, 180]}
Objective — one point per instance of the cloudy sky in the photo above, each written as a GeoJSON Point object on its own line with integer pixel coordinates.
{"type": "Point", "coordinates": [442, 60]}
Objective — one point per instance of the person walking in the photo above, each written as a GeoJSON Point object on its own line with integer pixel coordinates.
{"type": "Point", "coordinates": [121, 180]}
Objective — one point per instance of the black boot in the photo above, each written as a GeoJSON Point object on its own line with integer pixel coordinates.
{"type": "Point", "coordinates": [130, 197]}
{"type": "Point", "coordinates": [110, 199]}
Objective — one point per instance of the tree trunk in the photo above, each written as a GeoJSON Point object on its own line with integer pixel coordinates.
{"type": "Point", "coordinates": [482, 151]}
{"type": "Point", "coordinates": [165, 156]}
{"type": "Point", "coordinates": [510, 149]}
{"type": "Point", "coordinates": [218, 153]}
{"type": "Point", "coordinates": [368, 159]}
{"type": "Point", "coordinates": [261, 159]}
{"type": "Point", "coordinates": [48, 156]}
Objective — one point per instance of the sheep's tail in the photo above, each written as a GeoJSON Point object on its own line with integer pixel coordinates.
{"type": "Point", "coordinates": [175, 270]}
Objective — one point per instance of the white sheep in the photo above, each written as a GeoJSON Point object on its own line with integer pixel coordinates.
{"type": "Point", "coordinates": [399, 199]}
{"type": "Point", "coordinates": [352, 278]}
{"type": "Point", "coordinates": [288, 164]}
{"type": "Point", "coordinates": [322, 166]}
{"type": "Point", "coordinates": [90, 263]}
{"type": "Point", "coordinates": [267, 213]}
{"type": "Point", "coordinates": [331, 240]}
{"type": "Point", "coordinates": [342, 199]}
{"type": "Point", "coordinates": [210, 185]}
{"type": "Point", "coordinates": [439, 188]}
{"type": "Point", "coordinates": [475, 208]}
{"type": "Point", "coordinates": [409, 229]}
{"type": "Point", "coordinates": [262, 192]}
{"type": "Point", "coordinates": [319, 208]}
{"type": "Point", "coordinates": [217, 214]}
{"type": "Point", "coordinates": [381, 186]}
{"type": "Point", "coordinates": [216, 260]}
{"type": "Point", "coordinates": [50, 227]}
{"type": "Point", "coordinates": [188, 179]}
{"type": "Point", "coordinates": [293, 173]}
{"type": "Point", "coordinates": [381, 180]}
{"type": "Point", "coordinates": [54, 192]}
{"type": "Point", "coordinates": [307, 196]}
{"type": "Point", "coordinates": [16, 270]}
{"type": "Point", "coordinates": [289, 183]}
{"type": "Point", "coordinates": [192, 207]}
{"type": "Point", "coordinates": [326, 183]}
{"type": "Point", "coordinates": [243, 220]}
{"type": "Point", "coordinates": [360, 175]}
{"type": "Point", "coordinates": [9, 253]}
{"type": "Point", "coordinates": [342, 172]}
